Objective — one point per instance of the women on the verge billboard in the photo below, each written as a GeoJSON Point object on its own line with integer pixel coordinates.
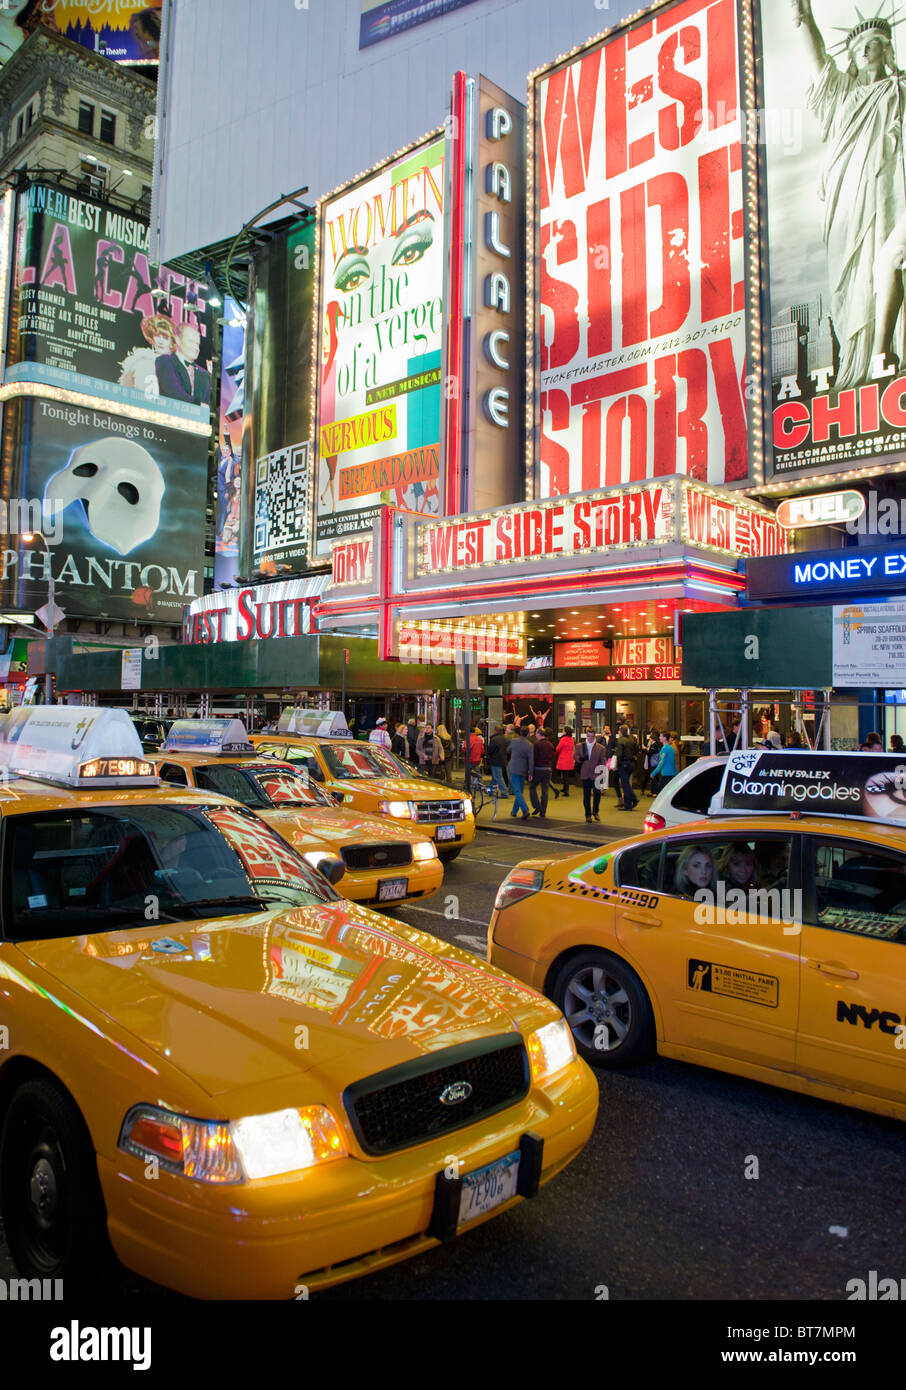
{"type": "Point", "coordinates": [638, 356]}
{"type": "Point", "coordinates": [834, 233]}
{"type": "Point", "coordinates": [381, 285]}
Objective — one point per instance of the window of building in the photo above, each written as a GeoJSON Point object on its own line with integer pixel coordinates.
{"type": "Point", "coordinates": [108, 126]}
{"type": "Point", "coordinates": [94, 177]}
{"type": "Point", "coordinates": [86, 118]}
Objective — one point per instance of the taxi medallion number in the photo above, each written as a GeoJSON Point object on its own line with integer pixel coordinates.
{"type": "Point", "coordinates": [446, 832]}
{"type": "Point", "coordinates": [392, 888]}
{"type": "Point", "coordinates": [488, 1188]}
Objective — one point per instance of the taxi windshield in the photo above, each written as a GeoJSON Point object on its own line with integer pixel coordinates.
{"type": "Point", "coordinates": [394, 766]}
{"type": "Point", "coordinates": [358, 760]}
{"type": "Point", "coordinates": [84, 871]}
{"type": "Point", "coordinates": [261, 787]}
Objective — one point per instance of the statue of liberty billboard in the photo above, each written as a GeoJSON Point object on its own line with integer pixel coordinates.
{"type": "Point", "coordinates": [837, 226]}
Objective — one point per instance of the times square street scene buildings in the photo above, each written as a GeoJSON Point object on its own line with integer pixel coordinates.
{"type": "Point", "coordinates": [453, 650]}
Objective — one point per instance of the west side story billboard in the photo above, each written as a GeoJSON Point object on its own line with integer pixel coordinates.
{"type": "Point", "coordinates": [639, 349]}
{"type": "Point", "coordinates": [381, 306]}
{"type": "Point", "coordinates": [830, 134]}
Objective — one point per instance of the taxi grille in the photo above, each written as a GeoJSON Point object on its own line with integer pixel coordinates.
{"type": "Point", "coordinates": [401, 1107]}
{"type": "Point", "coordinates": [377, 856]}
{"type": "Point", "coordinates": [433, 811]}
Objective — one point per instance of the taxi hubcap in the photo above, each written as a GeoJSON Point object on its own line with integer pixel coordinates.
{"type": "Point", "coordinates": [597, 1009]}
{"type": "Point", "coordinates": [42, 1192]}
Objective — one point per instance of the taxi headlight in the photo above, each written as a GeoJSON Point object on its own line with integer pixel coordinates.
{"type": "Point", "coordinates": [467, 806]}
{"type": "Point", "coordinates": [424, 850]}
{"type": "Point", "coordinates": [550, 1049]}
{"type": "Point", "coordinates": [401, 810]}
{"type": "Point", "coordinates": [259, 1146]}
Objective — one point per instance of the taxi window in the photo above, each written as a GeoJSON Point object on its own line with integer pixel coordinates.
{"type": "Point", "coordinates": [859, 889]}
{"type": "Point", "coordinates": [302, 758]}
{"type": "Point", "coordinates": [695, 795]}
{"type": "Point", "coordinates": [80, 872]}
{"type": "Point", "coordinates": [639, 867]}
{"type": "Point", "coordinates": [230, 781]}
{"type": "Point", "coordinates": [395, 767]}
{"type": "Point", "coordinates": [719, 863]}
{"type": "Point", "coordinates": [358, 760]}
{"type": "Point", "coordinates": [174, 774]}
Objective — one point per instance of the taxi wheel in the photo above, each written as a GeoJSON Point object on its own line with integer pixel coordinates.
{"type": "Point", "coordinates": [50, 1195]}
{"type": "Point", "coordinates": [606, 1006]}
{"type": "Point", "coordinates": [448, 854]}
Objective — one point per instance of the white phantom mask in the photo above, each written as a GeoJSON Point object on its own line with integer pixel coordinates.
{"type": "Point", "coordinates": [119, 485]}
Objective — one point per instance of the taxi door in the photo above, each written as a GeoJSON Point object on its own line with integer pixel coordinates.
{"type": "Point", "coordinates": [726, 982]}
{"type": "Point", "coordinates": [854, 967]}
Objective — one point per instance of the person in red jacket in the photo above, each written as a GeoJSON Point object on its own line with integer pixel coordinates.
{"type": "Point", "coordinates": [476, 754]}
{"type": "Point", "coordinates": [564, 762]}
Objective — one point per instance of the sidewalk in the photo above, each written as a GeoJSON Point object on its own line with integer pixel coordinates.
{"type": "Point", "coordinates": [565, 819]}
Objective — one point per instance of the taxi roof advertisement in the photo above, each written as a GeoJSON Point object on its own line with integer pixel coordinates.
{"type": "Point", "coordinates": [381, 289]}
{"type": "Point", "coordinates": [95, 314]}
{"type": "Point", "coordinates": [832, 238]}
{"type": "Point", "coordinates": [865, 785]}
{"type": "Point", "coordinates": [639, 255]}
{"type": "Point", "coordinates": [123, 496]}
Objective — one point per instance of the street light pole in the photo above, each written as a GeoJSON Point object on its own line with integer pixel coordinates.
{"type": "Point", "coordinates": [28, 537]}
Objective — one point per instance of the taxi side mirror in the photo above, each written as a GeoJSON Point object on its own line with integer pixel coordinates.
{"type": "Point", "coordinates": [329, 867]}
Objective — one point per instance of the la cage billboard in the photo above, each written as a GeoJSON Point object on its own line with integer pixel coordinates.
{"type": "Point", "coordinates": [638, 359]}
{"type": "Point", "coordinates": [381, 308]}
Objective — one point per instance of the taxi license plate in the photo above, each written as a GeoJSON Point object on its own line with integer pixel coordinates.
{"type": "Point", "coordinates": [446, 832]}
{"type": "Point", "coordinates": [490, 1187]}
{"type": "Point", "coordinates": [392, 888]}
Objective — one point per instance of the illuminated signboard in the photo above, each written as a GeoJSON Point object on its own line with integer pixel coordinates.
{"type": "Point", "coordinates": [825, 509]}
{"type": "Point", "coordinates": [381, 284]}
{"type": "Point", "coordinates": [580, 654]}
{"type": "Point", "coordinates": [242, 615]}
{"type": "Point", "coordinates": [601, 522]}
{"type": "Point", "coordinates": [864, 568]}
{"type": "Point", "coordinates": [445, 643]}
{"type": "Point", "coordinates": [638, 254]}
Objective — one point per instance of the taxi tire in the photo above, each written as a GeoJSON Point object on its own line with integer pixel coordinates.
{"type": "Point", "coordinates": [640, 1043]}
{"type": "Point", "coordinates": [449, 854]}
{"type": "Point", "coordinates": [42, 1118]}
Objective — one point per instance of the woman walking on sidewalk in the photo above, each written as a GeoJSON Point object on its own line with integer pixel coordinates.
{"type": "Point", "coordinates": [565, 762]}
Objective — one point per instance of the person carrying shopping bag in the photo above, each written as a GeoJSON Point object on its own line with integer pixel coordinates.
{"type": "Point", "coordinates": [591, 760]}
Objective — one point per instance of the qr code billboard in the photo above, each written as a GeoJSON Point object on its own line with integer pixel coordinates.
{"type": "Point", "coordinates": [281, 501]}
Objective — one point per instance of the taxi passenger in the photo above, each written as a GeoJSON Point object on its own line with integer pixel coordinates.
{"type": "Point", "coordinates": [736, 865]}
{"type": "Point", "coordinates": [694, 870]}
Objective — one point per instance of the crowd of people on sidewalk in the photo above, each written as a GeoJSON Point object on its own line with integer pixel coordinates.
{"type": "Point", "coordinates": [627, 762]}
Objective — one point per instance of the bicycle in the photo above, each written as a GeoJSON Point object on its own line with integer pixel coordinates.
{"type": "Point", "coordinates": [482, 793]}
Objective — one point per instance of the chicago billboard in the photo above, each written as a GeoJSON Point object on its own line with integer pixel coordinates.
{"type": "Point", "coordinates": [381, 284]}
{"type": "Point", "coordinates": [638, 358]}
{"type": "Point", "coordinates": [94, 314]}
{"type": "Point", "coordinates": [833, 236]}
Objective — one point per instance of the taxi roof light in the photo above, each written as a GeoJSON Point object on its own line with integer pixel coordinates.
{"type": "Point", "coordinates": [216, 737]}
{"type": "Point", "coordinates": [76, 746]}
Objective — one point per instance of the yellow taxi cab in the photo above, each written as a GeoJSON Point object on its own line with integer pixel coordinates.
{"type": "Point", "coordinates": [219, 1072]}
{"type": "Point", "coordinates": [768, 941]}
{"type": "Point", "coordinates": [363, 775]}
{"type": "Point", "coordinates": [384, 862]}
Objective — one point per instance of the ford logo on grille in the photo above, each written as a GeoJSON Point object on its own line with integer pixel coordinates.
{"type": "Point", "coordinates": [456, 1092]}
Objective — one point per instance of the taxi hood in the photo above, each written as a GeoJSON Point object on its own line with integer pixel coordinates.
{"type": "Point", "coordinates": [226, 1002]}
{"type": "Point", "coordinates": [405, 788]}
{"type": "Point", "coordinates": [299, 824]}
